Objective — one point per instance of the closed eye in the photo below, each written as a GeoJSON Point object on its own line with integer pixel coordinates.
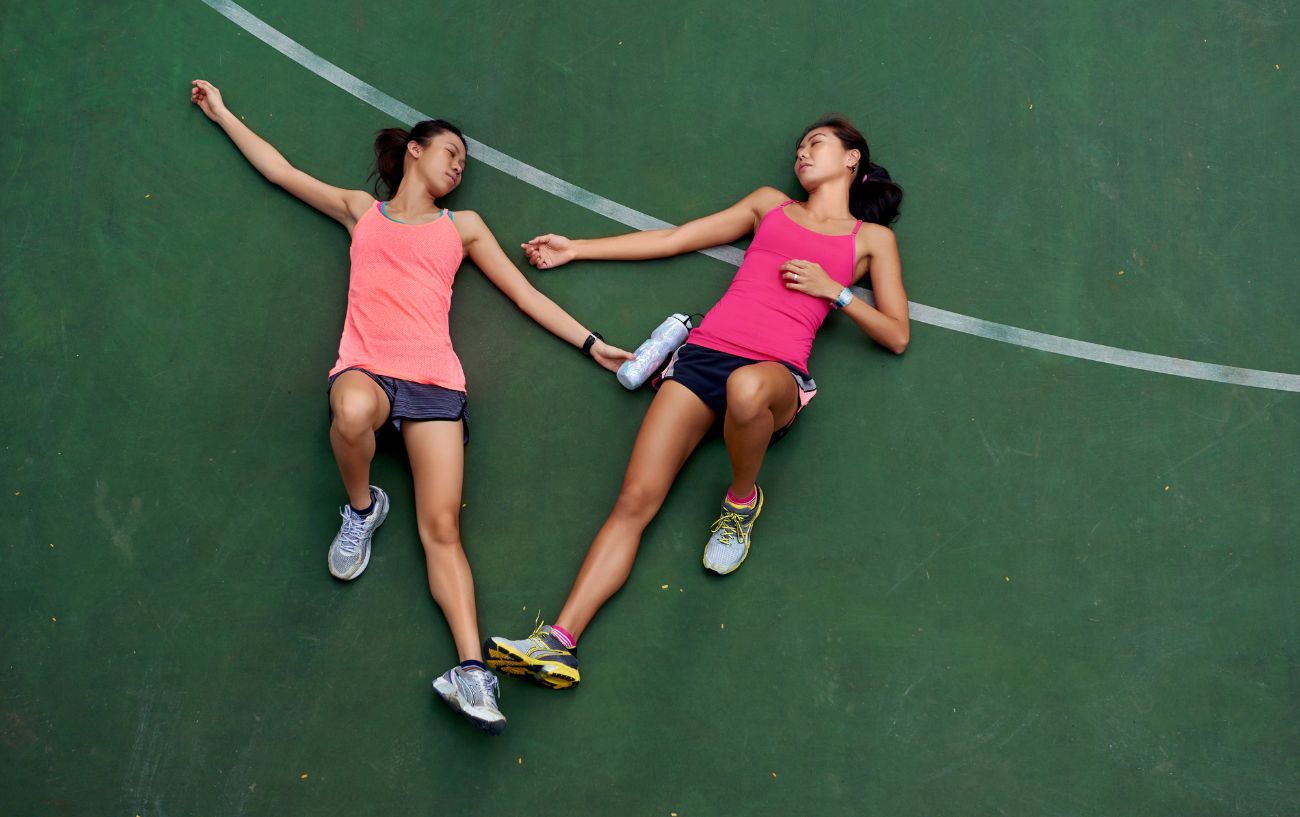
{"type": "Point", "coordinates": [817, 139]}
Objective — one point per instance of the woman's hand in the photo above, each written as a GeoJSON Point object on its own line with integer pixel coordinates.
{"type": "Point", "coordinates": [208, 98]}
{"type": "Point", "coordinates": [810, 279]}
{"type": "Point", "coordinates": [549, 251]}
{"type": "Point", "coordinates": [611, 357]}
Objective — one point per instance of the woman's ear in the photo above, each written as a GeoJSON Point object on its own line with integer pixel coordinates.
{"type": "Point", "coordinates": [853, 158]}
{"type": "Point", "coordinates": [413, 147]}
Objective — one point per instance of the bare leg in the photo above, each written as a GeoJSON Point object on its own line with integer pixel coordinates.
{"type": "Point", "coordinates": [675, 423]}
{"type": "Point", "coordinates": [436, 450]}
{"type": "Point", "coordinates": [761, 398]}
{"type": "Point", "coordinates": [360, 407]}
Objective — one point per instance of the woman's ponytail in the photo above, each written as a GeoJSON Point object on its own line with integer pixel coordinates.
{"type": "Point", "coordinates": [390, 151]}
{"type": "Point", "coordinates": [874, 196]}
{"type": "Point", "coordinates": [390, 160]}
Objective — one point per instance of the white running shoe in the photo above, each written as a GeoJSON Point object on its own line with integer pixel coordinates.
{"type": "Point", "coordinates": [350, 550]}
{"type": "Point", "coordinates": [473, 693]}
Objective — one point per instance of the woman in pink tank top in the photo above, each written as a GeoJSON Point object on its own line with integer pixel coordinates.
{"type": "Point", "coordinates": [746, 365]}
{"type": "Point", "coordinates": [396, 362]}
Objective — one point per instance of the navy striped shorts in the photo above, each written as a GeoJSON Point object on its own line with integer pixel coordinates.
{"type": "Point", "coordinates": [417, 401]}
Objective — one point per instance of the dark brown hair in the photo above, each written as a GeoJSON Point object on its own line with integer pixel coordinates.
{"type": "Point", "coordinates": [873, 196]}
{"type": "Point", "coordinates": [390, 151]}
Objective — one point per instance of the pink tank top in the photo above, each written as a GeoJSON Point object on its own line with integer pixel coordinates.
{"type": "Point", "coordinates": [399, 293]}
{"type": "Point", "coordinates": [757, 317]}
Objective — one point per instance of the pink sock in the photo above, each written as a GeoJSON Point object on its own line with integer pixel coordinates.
{"type": "Point", "coordinates": [741, 502]}
{"type": "Point", "coordinates": [566, 638]}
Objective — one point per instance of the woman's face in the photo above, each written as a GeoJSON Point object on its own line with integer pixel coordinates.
{"type": "Point", "coordinates": [440, 164]}
{"type": "Point", "coordinates": [821, 157]}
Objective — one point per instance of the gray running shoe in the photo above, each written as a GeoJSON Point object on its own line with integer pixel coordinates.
{"type": "Point", "coordinates": [473, 693]}
{"type": "Point", "coordinates": [729, 544]}
{"type": "Point", "coordinates": [350, 550]}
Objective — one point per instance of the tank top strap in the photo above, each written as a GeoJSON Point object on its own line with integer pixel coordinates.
{"type": "Point", "coordinates": [784, 203]}
{"type": "Point", "coordinates": [856, 227]}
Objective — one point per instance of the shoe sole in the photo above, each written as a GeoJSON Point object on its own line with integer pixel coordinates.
{"type": "Point", "coordinates": [744, 555]}
{"type": "Point", "coordinates": [445, 691]}
{"type": "Point", "coordinates": [382, 510]}
{"type": "Point", "coordinates": [550, 674]}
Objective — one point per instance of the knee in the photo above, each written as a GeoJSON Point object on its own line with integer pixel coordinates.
{"type": "Point", "coordinates": [638, 501]}
{"type": "Point", "coordinates": [353, 413]}
{"type": "Point", "coordinates": [747, 398]}
{"type": "Point", "coordinates": [439, 529]}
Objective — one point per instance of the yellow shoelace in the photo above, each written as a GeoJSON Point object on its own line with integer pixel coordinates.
{"type": "Point", "coordinates": [727, 526]}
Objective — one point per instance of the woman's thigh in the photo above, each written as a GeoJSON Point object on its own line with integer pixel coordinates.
{"type": "Point", "coordinates": [673, 426]}
{"type": "Point", "coordinates": [436, 450]}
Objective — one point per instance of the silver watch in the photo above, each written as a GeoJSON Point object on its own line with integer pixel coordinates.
{"type": "Point", "coordinates": [843, 299]}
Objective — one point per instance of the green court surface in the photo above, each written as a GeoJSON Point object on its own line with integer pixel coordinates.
{"type": "Point", "coordinates": [989, 579]}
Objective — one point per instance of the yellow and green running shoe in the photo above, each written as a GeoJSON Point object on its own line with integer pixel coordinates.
{"type": "Point", "coordinates": [540, 656]}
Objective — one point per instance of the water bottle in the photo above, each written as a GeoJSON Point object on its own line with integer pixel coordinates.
{"type": "Point", "coordinates": [654, 350]}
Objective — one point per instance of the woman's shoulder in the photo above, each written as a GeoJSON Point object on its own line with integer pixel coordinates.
{"type": "Point", "coordinates": [876, 237]}
{"type": "Point", "coordinates": [769, 197]}
{"type": "Point", "coordinates": [467, 219]}
{"type": "Point", "coordinates": [763, 201]}
{"type": "Point", "coordinates": [357, 203]}
{"type": "Point", "coordinates": [470, 226]}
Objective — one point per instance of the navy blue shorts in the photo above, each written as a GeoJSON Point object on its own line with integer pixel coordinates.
{"type": "Point", "coordinates": [417, 401]}
{"type": "Point", "coordinates": [705, 372]}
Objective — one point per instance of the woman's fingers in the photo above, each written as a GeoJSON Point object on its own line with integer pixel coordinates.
{"type": "Point", "coordinates": [610, 357]}
{"type": "Point", "coordinates": [547, 251]}
{"type": "Point", "coordinates": [532, 253]}
{"type": "Point", "coordinates": [796, 280]}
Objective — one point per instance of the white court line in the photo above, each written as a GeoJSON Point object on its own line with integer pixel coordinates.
{"type": "Point", "coordinates": [614, 211]}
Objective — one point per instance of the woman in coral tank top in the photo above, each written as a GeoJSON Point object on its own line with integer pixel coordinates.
{"type": "Point", "coordinates": [746, 365]}
{"type": "Point", "coordinates": [396, 362]}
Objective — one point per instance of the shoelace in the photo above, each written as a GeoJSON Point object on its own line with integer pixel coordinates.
{"type": "Point", "coordinates": [727, 526]}
{"type": "Point", "coordinates": [350, 535]}
{"type": "Point", "coordinates": [540, 638]}
{"type": "Point", "coordinates": [480, 685]}
{"type": "Point", "coordinates": [538, 624]}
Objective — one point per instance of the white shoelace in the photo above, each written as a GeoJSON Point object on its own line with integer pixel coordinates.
{"type": "Point", "coordinates": [482, 688]}
{"type": "Point", "coordinates": [353, 527]}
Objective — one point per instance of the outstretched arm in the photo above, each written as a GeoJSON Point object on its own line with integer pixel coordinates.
{"type": "Point", "coordinates": [344, 206]}
{"type": "Point", "coordinates": [549, 251]}
{"type": "Point", "coordinates": [487, 255]}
